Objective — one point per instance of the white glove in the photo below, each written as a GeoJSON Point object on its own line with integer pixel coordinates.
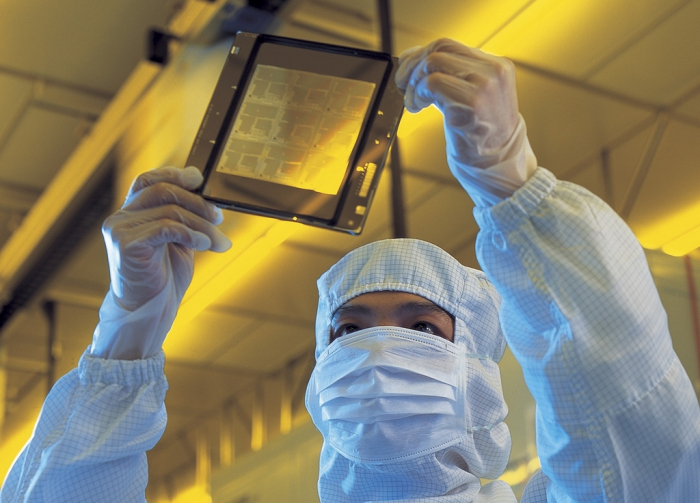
{"type": "Point", "coordinates": [150, 246]}
{"type": "Point", "coordinates": [487, 147]}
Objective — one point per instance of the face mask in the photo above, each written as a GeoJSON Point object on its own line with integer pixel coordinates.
{"type": "Point", "coordinates": [388, 394]}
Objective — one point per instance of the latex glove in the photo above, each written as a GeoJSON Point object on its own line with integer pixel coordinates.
{"type": "Point", "coordinates": [487, 147]}
{"type": "Point", "coordinates": [150, 246]}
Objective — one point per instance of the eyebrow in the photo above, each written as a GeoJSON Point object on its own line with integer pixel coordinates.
{"type": "Point", "coordinates": [355, 310]}
{"type": "Point", "coordinates": [409, 307]}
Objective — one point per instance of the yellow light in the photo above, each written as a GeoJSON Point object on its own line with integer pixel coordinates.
{"type": "Point", "coordinates": [195, 494]}
{"type": "Point", "coordinates": [12, 445]}
{"type": "Point", "coordinates": [411, 122]}
{"type": "Point", "coordinates": [534, 464]}
{"type": "Point", "coordinates": [683, 244]}
{"type": "Point", "coordinates": [516, 476]}
{"type": "Point", "coordinates": [521, 473]}
{"type": "Point", "coordinates": [227, 275]}
{"type": "Point", "coordinates": [679, 226]}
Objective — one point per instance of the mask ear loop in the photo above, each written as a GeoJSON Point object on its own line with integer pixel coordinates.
{"type": "Point", "coordinates": [460, 342]}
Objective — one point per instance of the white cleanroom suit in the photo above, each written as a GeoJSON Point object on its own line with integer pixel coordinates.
{"type": "Point", "coordinates": [617, 418]}
{"type": "Point", "coordinates": [581, 314]}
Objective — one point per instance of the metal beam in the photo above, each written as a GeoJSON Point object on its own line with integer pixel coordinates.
{"type": "Point", "coordinates": [644, 164]}
{"type": "Point", "coordinates": [203, 458]}
{"type": "Point", "coordinates": [26, 365]}
{"type": "Point", "coordinates": [3, 385]}
{"type": "Point", "coordinates": [51, 345]}
{"type": "Point", "coordinates": [26, 389]}
{"type": "Point", "coordinates": [606, 168]}
{"type": "Point", "coordinates": [398, 211]}
{"type": "Point", "coordinates": [258, 435]}
{"type": "Point", "coordinates": [227, 439]}
{"type": "Point", "coordinates": [17, 198]}
{"type": "Point", "coordinates": [286, 398]}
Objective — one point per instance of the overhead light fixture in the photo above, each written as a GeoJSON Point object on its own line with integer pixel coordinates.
{"type": "Point", "coordinates": [675, 235]}
{"type": "Point", "coordinates": [228, 275]}
{"type": "Point", "coordinates": [683, 244]}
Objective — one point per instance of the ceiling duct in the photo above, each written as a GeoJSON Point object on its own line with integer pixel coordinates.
{"type": "Point", "coordinates": [255, 16]}
{"type": "Point", "coordinates": [84, 217]}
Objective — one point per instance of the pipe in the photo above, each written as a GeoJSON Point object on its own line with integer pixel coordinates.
{"type": "Point", "coordinates": [693, 307]}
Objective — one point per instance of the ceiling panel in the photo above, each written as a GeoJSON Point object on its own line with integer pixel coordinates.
{"type": "Point", "coordinates": [27, 326]}
{"type": "Point", "coordinates": [624, 160]}
{"type": "Point", "coordinates": [662, 193]}
{"type": "Point", "coordinates": [187, 382]}
{"type": "Point", "coordinates": [472, 23]}
{"type": "Point", "coordinates": [691, 106]}
{"type": "Point", "coordinates": [37, 148]}
{"type": "Point", "coordinates": [444, 218]}
{"type": "Point", "coordinates": [86, 267]}
{"type": "Point", "coordinates": [284, 284]}
{"type": "Point", "coordinates": [592, 178]}
{"type": "Point", "coordinates": [567, 124]}
{"type": "Point", "coordinates": [208, 334]}
{"type": "Point", "coordinates": [661, 66]}
{"type": "Point", "coordinates": [8, 223]}
{"type": "Point", "coordinates": [92, 44]}
{"type": "Point", "coordinates": [266, 347]}
{"type": "Point", "coordinates": [14, 96]}
{"type": "Point", "coordinates": [572, 37]}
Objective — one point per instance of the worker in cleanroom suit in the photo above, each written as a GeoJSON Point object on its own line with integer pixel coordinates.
{"type": "Point", "coordinates": [406, 391]}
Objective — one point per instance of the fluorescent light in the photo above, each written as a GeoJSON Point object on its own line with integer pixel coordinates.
{"type": "Point", "coordinates": [676, 234]}
{"type": "Point", "coordinates": [228, 275]}
{"type": "Point", "coordinates": [683, 244]}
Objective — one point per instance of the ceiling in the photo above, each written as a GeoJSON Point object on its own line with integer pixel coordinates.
{"type": "Point", "coordinates": [610, 90]}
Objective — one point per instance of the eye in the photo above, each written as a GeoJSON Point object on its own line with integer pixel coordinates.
{"type": "Point", "coordinates": [342, 330]}
{"type": "Point", "coordinates": [427, 328]}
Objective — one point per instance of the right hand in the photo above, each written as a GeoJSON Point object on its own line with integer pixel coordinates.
{"type": "Point", "coordinates": [154, 235]}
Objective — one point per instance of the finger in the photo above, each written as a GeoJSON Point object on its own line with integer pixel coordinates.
{"type": "Point", "coordinates": [189, 178]}
{"type": "Point", "coordinates": [163, 194]}
{"type": "Point", "coordinates": [457, 65]}
{"type": "Point", "coordinates": [445, 91]}
{"type": "Point", "coordinates": [171, 213]}
{"type": "Point", "coordinates": [448, 64]}
{"type": "Point", "coordinates": [154, 233]}
{"type": "Point", "coordinates": [408, 60]}
{"type": "Point", "coordinates": [446, 45]}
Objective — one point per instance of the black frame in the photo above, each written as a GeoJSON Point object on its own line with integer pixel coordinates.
{"type": "Point", "coordinates": [346, 211]}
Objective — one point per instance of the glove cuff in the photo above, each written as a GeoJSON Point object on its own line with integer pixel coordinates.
{"type": "Point", "coordinates": [134, 335]}
{"type": "Point", "coordinates": [497, 176]}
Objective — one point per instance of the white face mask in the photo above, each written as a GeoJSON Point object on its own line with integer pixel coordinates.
{"type": "Point", "coordinates": [388, 394]}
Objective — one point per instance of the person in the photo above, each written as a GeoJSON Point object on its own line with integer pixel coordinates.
{"type": "Point", "coordinates": [406, 390]}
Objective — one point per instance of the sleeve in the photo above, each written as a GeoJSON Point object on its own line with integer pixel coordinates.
{"type": "Point", "coordinates": [91, 438]}
{"type": "Point", "coordinates": [617, 416]}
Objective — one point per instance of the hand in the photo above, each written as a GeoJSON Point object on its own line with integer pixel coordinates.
{"type": "Point", "coordinates": [152, 238]}
{"type": "Point", "coordinates": [476, 94]}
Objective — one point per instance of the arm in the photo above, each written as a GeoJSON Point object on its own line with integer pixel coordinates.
{"type": "Point", "coordinates": [92, 435]}
{"type": "Point", "coordinates": [617, 418]}
{"type": "Point", "coordinates": [99, 420]}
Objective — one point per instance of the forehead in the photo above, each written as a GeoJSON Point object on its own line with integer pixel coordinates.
{"type": "Point", "coordinates": [385, 297]}
{"type": "Point", "coordinates": [386, 301]}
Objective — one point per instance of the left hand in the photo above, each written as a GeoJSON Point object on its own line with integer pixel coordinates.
{"type": "Point", "coordinates": [475, 92]}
